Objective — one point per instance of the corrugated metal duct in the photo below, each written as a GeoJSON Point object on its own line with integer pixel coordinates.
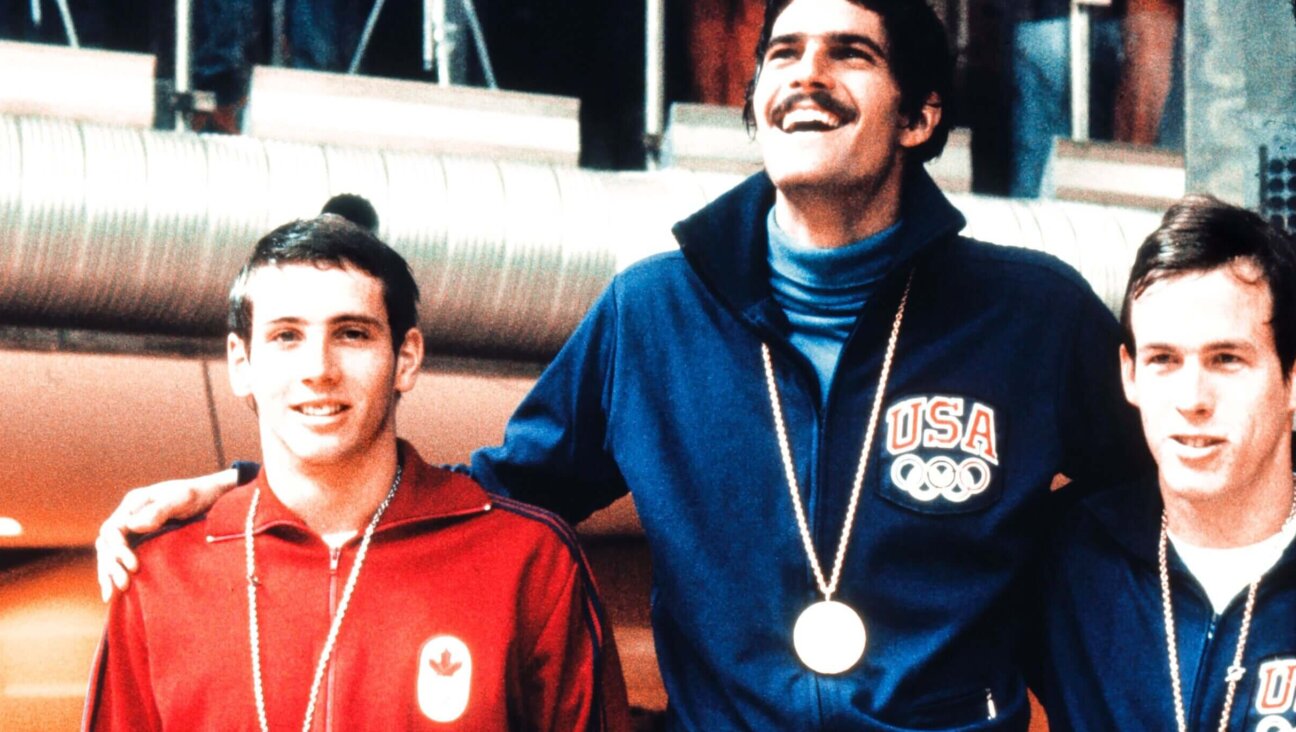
{"type": "Point", "coordinates": [119, 228]}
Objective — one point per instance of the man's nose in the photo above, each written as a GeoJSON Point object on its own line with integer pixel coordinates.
{"type": "Point", "coordinates": [318, 360]}
{"type": "Point", "coordinates": [812, 70]}
{"type": "Point", "coordinates": [1194, 391]}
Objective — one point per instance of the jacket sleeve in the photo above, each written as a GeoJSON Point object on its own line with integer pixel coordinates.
{"type": "Point", "coordinates": [573, 680]}
{"type": "Point", "coordinates": [554, 453]}
{"type": "Point", "coordinates": [1102, 437]}
{"type": "Point", "coordinates": [121, 695]}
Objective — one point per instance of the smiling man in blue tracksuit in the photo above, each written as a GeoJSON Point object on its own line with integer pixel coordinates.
{"type": "Point", "coordinates": [838, 419]}
{"type": "Point", "coordinates": [1210, 342]}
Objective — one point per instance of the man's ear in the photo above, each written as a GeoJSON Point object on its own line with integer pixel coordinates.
{"type": "Point", "coordinates": [1127, 376]}
{"type": "Point", "coordinates": [409, 359]}
{"type": "Point", "coordinates": [237, 355]}
{"type": "Point", "coordinates": [1291, 388]}
{"type": "Point", "coordinates": [919, 129]}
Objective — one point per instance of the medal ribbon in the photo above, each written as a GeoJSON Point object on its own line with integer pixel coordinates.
{"type": "Point", "coordinates": [829, 587]}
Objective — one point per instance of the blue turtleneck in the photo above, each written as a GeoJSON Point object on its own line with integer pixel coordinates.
{"type": "Point", "coordinates": [823, 290]}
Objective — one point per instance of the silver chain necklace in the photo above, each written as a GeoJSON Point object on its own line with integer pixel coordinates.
{"type": "Point", "coordinates": [1236, 670]}
{"type": "Point", "coordinates": [254, 631]}
{"type": "Point", "coordinates": [829, 636]}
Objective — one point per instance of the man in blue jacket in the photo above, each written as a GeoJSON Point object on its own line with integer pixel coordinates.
{"type": "Point", "coordinates": [838, 419]}
{"type": "Point", "coordinates": [1176, 608]}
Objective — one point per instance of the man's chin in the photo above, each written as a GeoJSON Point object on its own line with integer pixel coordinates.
{"type": "Point", "coordinates": [317, 453]}
{"type": "Point", "coordinates": [1191, 486]}
{"type": "Point", "coordinates": [803, 178]}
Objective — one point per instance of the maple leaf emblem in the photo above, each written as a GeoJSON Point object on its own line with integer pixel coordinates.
{"type": "Point", "coordinates": [447, 666]}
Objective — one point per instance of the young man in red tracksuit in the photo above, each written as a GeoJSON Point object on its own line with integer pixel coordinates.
{"type": "Point", "coordinates": [351, 584]}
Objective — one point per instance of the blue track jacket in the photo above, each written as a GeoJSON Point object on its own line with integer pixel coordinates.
{"type": "Point", "coordinates": [1005, 374]}
{"type": "Point", "coordinates": [1105, 634]}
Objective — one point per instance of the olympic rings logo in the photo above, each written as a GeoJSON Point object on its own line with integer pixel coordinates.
{"type": "Point", "coordinates": [940, 477]}
{"type": "Point", "coordinates": [1274, 723]}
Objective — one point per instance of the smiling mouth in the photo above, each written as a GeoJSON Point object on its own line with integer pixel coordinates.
{"type": "Point", "coordinates": [809, 120]}
{"type": "Point", "coordinates": [321, 410]}
{"type": "Point", "coordinates": [1200, 442]}
{"type": "Point", "coordinates": [816, 111]}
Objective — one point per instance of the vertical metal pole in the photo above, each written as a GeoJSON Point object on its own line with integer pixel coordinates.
{"type": "Point", "coordinates": [441, 41]}
{"type": "Point", "coordinates": [278, 32]}
{"type": "Point", "coordinates": [365, 35]}
{"type": "Point", "coordinates": [429, 47]}
{"type": "Point", "coordinates": [1079, 71]}
{"type": "Point", "coordinates": [964, 37]}
{"type": "Point", "coordinates": [479, 42]}
{"type": "Point", "coordinates": [654, 81]}
{"type": "Point", "coordinates": [68, 27]}
{"type": "Point", "coordinates": [182, 87]}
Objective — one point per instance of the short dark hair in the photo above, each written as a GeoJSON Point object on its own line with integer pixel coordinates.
{"type": "Point", "coordinates": [1201, 233]}
{"type": "Point", "coordinates": [918, 55]}
{"type": "Point", "coordinates": [326, 241]}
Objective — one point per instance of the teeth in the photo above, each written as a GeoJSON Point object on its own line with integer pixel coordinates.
{"type": "Point", "coordinates": [812, 116]}
{"type": "Point", "coordinates": [320, 411]}
{"type": "Point", "coordinates": [1197, 441]}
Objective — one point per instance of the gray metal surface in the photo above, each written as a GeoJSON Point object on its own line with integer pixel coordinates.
{"type": "Point", "coordinates": [1240, 68]}
{"type": "Point", "coordinates": [125, 229]}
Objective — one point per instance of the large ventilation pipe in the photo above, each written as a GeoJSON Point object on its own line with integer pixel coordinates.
{"type": "Point", "coordinates": [117, 228]}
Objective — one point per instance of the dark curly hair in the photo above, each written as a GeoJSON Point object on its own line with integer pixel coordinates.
{"type": "Point", "coordinates": [919, 58]}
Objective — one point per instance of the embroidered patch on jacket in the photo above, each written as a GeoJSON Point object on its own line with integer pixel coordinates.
{"type": "Point", "coordinates": [444, 678]}
{"type": "Point", "coordinates": [940, 454]}
{"type": "Point", "coordinates": [1275, 699]}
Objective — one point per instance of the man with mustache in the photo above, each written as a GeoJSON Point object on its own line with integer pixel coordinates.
{"type": "Point", "coordinates": [838, 419]}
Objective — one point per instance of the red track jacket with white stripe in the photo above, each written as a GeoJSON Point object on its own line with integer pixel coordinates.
{"type": "Point", "coordinates": [471, 612]}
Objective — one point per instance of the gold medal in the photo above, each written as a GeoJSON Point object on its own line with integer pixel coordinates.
{"type": "Point", "coordinates": [829, 637]}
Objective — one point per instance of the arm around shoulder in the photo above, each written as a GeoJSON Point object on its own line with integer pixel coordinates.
{"type": "Point", "coordinates": [554, 450]}
{"type": "Point", "coordinates": [146, 509]}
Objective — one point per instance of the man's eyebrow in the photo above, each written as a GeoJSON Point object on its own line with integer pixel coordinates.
{"type": "Point", "coordinates": [286, 320]}
{"type": "Point", "coordinates": [840, 39]}
{"type": "Point", "coordinates": [1229, 346]}
{"type": "Point", "coordinates": [857, 39]}
{"type": "Point", "coordinates": [1225, 345]}
{"type": "Point", "coordinates": [344, 318]}
{"type": "Point", "coordinates": [359, 318]}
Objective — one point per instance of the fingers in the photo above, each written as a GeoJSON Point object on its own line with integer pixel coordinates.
{"type": "Point", "coordinates": [143, 510]}
{"type": "Point", "coordinates": [103, 573]}
{"type": "Point", "coordinates": [114, 558]}
{"type": "Point", "coordinates": [115, 562]}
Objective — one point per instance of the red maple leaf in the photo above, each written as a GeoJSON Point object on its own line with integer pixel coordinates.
{"type": "Point", "coordinates": [446, 666]}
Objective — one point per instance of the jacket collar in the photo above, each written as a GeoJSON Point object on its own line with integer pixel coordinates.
{"type": "Point", "coordinates": [727, 241]}
{"type": "Point", "coordinates": [425, 493]}
{"type": "Point", "coordinates": [1130, 514]}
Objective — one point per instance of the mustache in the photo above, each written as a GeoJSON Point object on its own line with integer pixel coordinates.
{"type": "Point", "coordinates": [820, 98]}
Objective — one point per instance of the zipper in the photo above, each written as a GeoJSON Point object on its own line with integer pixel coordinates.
{"type": "Point", "coordinates": [992, 712]}
{"type": "Point", "coordinates": [1197, 695]}
{"type": "Point", "coordinates": [335, 558]}
{"type": "Point", "coordinates": [1201, 683]}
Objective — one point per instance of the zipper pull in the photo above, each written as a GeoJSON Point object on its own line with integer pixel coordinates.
{"type": "Point", "coordinates": [335, 555]}
{"type": "Point", "coordinates": [991, 711]}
